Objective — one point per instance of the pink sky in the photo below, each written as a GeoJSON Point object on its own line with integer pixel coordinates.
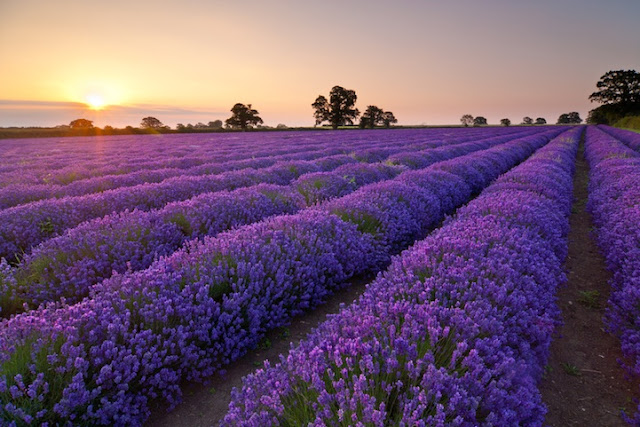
{"type": "Point", "coordinates": [190, 61]}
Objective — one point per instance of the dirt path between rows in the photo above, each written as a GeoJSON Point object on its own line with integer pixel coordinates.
{"type": "Point", "coordinates": [205, 405]}
{"type": "Point", "coordinates": [583, 384]}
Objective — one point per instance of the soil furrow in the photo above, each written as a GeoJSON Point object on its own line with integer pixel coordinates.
{"type": "Point", "coordinates": [584, 385]}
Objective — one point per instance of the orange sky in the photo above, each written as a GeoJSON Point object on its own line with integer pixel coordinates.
{"type": "Point", "coordinates": [189, 61]}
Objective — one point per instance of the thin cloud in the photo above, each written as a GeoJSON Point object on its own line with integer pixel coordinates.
{"type": "Point", "coordinates": [20, 112]}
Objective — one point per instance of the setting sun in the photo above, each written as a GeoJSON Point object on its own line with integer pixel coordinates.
{"type": "Point", "coordinates": [95, 101]}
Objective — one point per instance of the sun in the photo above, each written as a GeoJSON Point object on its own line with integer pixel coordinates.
{"type": "Point", "coordinates": [95, 101]}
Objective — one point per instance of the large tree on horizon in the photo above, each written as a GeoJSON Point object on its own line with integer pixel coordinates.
{"type": "Point", "coordinates": [479, 121]}
{"type": "Point", "coordinates": [618, 87]}
{"type": "Point", "coordinates": [619, 94]}
{"type": "Point", "coordinates": [388, 118]}
{"type": "Point", "coordinates": [243, 117]}
{"type": "Point", "coordinates": [572, 118]}
{"type": "Point", "coordinates": [338, 110]}
{"type": "Point", "coordinates": [81, 124]}
{"type": "Point", "coordinates": [151, 123]}
{"type": "Point", "coordinates": [374, 116]}
{"type": "Point", "coordinates": [371, 116]}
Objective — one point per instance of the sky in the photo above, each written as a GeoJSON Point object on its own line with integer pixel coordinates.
{"type": "Point", "coordinates": [190, 61]}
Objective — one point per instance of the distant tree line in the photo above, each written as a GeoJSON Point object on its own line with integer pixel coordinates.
{"type": "Point", "coordinates": [468, 120]}
{"type": "Point", "coordinates": [618, 92]}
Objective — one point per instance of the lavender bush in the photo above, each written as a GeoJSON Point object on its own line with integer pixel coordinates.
{"type": "Point", "coordinates": [186, 316]}
{"type": "Point", "coordinates": [66, 266]}
{"type": "Point", "coordinates": [614, 203]}
{"type": "Point", "coordinates": [455, 332]}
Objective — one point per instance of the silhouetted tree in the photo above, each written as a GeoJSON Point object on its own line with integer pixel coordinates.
{"type": "Point", "coordinates": [479, 121]}
{"type": "Point", "coordinates": [151, 123]}
{"type": "Point", "coordinates": [527, 120]}
{"type": "Point", "coordinates": [371, 117]}
{"type": "Point", "coordinates": [388, 118]}
{"type": "Point", "coordinates": [619, 92]}
{"type": "Point", "coordinates": [216, 124]}
{"type": "Point", "coordinates": [321, 109]}
{"type": "Point", "coordinates": [81, 124]}
{"type": "Point", "coordinates": [505, 122]}
{"type": "Point", "coordinates": [618, 87]}
{"type": "Point", "coordinates": [541, 121]}
{"type": "Point", "coordinates": [339, 110]}
{"type": "Point", "coordinates": [569, 118]}
{"type": "Point", "coordinates": [243, 117]}
{"type": "Point", "coordinates": [374, 116]}
{"type": "Point", "coordinates": [466, 120]}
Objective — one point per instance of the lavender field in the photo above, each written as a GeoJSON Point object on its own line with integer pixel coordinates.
{"type": "Point", "coordinates": [133, 264]}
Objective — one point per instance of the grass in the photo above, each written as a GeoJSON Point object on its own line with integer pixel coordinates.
{"type": "Point", "coordinates": [265, 344]}
{"type": "Point", "coordinates": [589, 298]}
{"type": "Point", "coordinates": [571, 369]}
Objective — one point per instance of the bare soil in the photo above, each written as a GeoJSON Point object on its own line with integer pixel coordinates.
{"type": "Point", "coordinates": [584, 385]}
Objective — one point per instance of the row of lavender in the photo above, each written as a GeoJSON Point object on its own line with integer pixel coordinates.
{"type": "Point", "coordinates": [47, 161]}
{"type": "Point", "coordinates": [455, 332]}
{"type": "Point", "coordinates": [21, 193]}
{"type": "Point", "coordinates": [614, 202]}
{"type": "Point", "coordinates": [206, 163]}
{"type": "Point", "coordinates": [156, 171]}
{"type": "Point", "coordinates": [102, 360]}
{"type": "Point", "coordinates": [631, 139]}
{"type": "Point", "coordinates": [62, 162]}
{"type": "Point", "coordinates": [68, 265]}
{"type": "Point", "coordinates": [24, 226]}
{"type": "Point", "coordinates": [18, 194]}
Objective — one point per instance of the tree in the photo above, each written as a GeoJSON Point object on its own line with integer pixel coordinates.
{"type": "Point", "coordinates": [466, 120]}
{"type": "Point", "coordinates": [151, 123]}
{"type": "Point", "coordinates": [321, 109]}
{"type": "Point", "coordinates": [339, 110]}
{"type": "Point", "coordinates": [505, 122]}
{"type": "Point", "coordinates": [388, 118]}
{"type": "Point", "coordinates": [371, 117]}
{"type": "Point", "coordinates": [216, 124]}
{"type": "Point", "coordinates": [570, 118]}
{"type": "Point", "coordinates": [619, 94]}
{"type": "Point", "coordinates": [541, 121]}
{"type": "Point", "coordinates": [243, 117]}
{"type": "Point", "coordinates": [618, 87]}
{"type": "Point", "coordinates": [479, 121]}
{"type": "Point", "coordinates": [374, 116]}
{"type": "Point", "coordinates": [81, 124]}
{"type": "Point", "coordinates": [527, 120]}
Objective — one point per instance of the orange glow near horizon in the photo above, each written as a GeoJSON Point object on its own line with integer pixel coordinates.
{"type": "Point", "coordinates": [429, 62]}
{"type": "Point", "coordinates": [95, 101]}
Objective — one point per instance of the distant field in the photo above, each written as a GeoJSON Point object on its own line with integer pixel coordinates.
{"type": "Point", "coordinates": [43, 132]}
{"type": "Point", "coordinates": [159, 259]}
